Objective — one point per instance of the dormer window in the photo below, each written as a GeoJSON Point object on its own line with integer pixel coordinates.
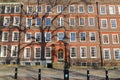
{"type": "Point", "coordinates": [7, 9]}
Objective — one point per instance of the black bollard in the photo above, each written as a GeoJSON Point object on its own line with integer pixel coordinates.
{"type": "Point", "coordinates": [66, 74]}
{"type": "Point", "coordinates": [16, 70]}
{"type": "Point", "coordinates": [106, 71]}
{"type": "Point", "coordinates": [88, 75]}
{"type": "Point", "coordinates": [39, 74]}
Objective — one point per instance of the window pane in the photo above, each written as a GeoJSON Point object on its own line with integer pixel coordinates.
{"type": "Point", "coordinates": [83, 52]}
{"type": "Point", "coordinates": [82, 36]}
{"type": "Point", "coordinates": [72, 37]}
{"type": "Point", "coordinates": [28, 22]}
{"type": "Point", "coordinates": [38, 37]}
{"type": "Point", "coordinates": [48, 36]}
{"type": "Point", "coordinates": [37, 52]}
{"type": "Point", "coordinates": [6, 21]}
{"type": "Point", "coordinates": [38, 21]}
{"type": "Point", "coordinates": [81, 21]}
{"type": "Point", "coordinates": [73, 52]}
{"type": "Point", "coordinates": [107, 54]}
{"type": "Point", "coordinates": [48, 52]}
{"type": "Point", "coordinates": [71, 9]}
{"type": "Point", "coordinates": [15, 36]}
{"type": "Point", "coordinates": [60, 36]}
{"type": "Point", "coordinates": [3, 51]}
{"type": "Point", "coordinates": [93, 52]}
{"type": "Point", "coordinates": [14, 51]}
{"type": "Point", "coordinates": [48, 22]}
{"type": "Point", "coordinates": [39, 9]}
{"type": "Point", "coordinates": [104, 23]}
{"type": "Point", "coordinates": [102, 9]}
{"type": "Point", "coordinates": [81, 9]}
{"type": "Point", "coordinates": [90, 9]}
{"type": "Point", "coordinates": [113, 23]}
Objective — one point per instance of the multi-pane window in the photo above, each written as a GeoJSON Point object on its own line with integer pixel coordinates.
{"type": "Point", "coordinates": [48, 36]}
{"type": "Point", "coordinates": [81, 9]}
{"type": "Point", "coordinates": [48, 52]}
{"type": "Point", "coordinates": [37, 52]}
{"type": "Point", "coordinates": [72, 9]}
{"type": "Point", "coordinates": [14, 50]}
{"type": "Point", "coordinates": [73, 52]}
{"type": "Point", "coordinates": [116, 52]}
{"type": "Point", "coordinates": [115, 38]}
{"type": "Point", "coordinates": [113, 23]}
{"type": "Point", "coordinates": [102, 9]}
{"type": "Point", "coordinates": [27, 52]}
{"type": "Point", "coordinates": [15, 36]}
{"type": "Point", "coordinates": [72, 21]}
{"type": "Point", "coordinates": [16, 21]}
{"type": "Point", "coordinates": [93, 52]}
{"type": "Point", "coordinates": [3, 51]}
{"type": "Point", "coordinates": [107, 54]}
{"type": "Point", "coordinates": [92, 36]}
{"type": "Point", "coordinates": [59, 9]}
{"type": "Point", "coordinates": [48, 9]}
{"type": "Point", "coordinates": [119, 9]}
{"type": "Point", "coordinates": [7, 9]}
{"type": "Point", "coordinates": [39, 9]}
{"type": "Point", "coordinates": [6, 21]}
{"type": "Point", "coordinates": [38, 36]}
{"type": "Point", "coordinates": [48, 22]}
{"type": "Point", "coordinates": [1, 9]}
{"type": "Point", "coordinates": [83, 52]}
{"type": "Point", "coordinates": [29, 9]}
{"type": "Point", "coordinates": [82, 36]}
{"type": "Point", "coordinates": [38, 21]}
{"type": "Point", "coordinates": [90, 9]}
{"type": "Point", "coordinates": [104, 23]}
{"type": "Point", "coordinates": [82, 21]}
{"type": "Point", "coordinates": [28, 37]}
{"type": "Point", "coordinates": [72, 36]}
{"type": "Point", "coordinates": [17, 9]}
{"type": "Point", "coordinates": [91, 21]}
{"type": "Point", "coordinates": [28, 22]}
{"type": "Point", "coordinates": [60, 36]}
{"type": "Point", "coordinates": [112, 9]}
{"type": "Point", "coordinates": [105, 38]}
{"type": "Point", "coordinates": [60, 21]}
{"type": "Point", "coordinates": [5, 36]}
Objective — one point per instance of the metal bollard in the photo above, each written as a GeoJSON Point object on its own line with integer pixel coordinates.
{"type": "Point", "coordinates": [88, 75]}
{"type": "Point", "coordinates": [106, 71]}
{"type": "Point", "coordinates": [16, 70]}
{"type": "Point", "coordinates": [39, 74]}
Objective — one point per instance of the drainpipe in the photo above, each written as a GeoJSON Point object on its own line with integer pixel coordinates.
{"type": "Point", "coordinates": [101, 57]}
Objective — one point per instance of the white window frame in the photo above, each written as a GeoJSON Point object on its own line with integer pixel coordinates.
{"type": "Point", "coordinates": [12, 50]}
{"type": "Point", "coordinates": [40, 36]}
{"type": "Point", "coordinates": [91, 35]}
{"type": "Point", "coordinates": [37, 9]}
{"type": "Point", "coordinates": [61, 8]}
{"type": "Point", "coordinates": [113, 38]}
{"type": "Point", "coordinates": [79, 9]}
{"type": "Point", "coordinates": [28, 25]}
{"type": "Point", "coordinates": [1, 55]}
{"type": "Point", "coordinates": [83, 21]}
{"type": "Point", "coordinates": [35, 53]}
{"type": "Point", "coordinates": [5, 23]}
{"type": "Point", "coordinates": [59, 34]}
{"type": "Point", "coordinates": [114, 49]}
{"type": "Point", "coordinates": [93, 21]}
{"type": "Point", "coordinates": [25, 54]}
{"type": "Point", "coordinates": [14, 36]}
{"type": "Point", "coordinates": [6, 9]}
{"type": "Point", "coordinates": [71, 37]}
{"type": "Point", "coordinates": [14, 21]}
{"type": "Point", "coordinates": [102, 10]}
{"type": "Point", "coordinates": [50, 53]}
{"type": "Point", "coordinates": [29, 12]}
{"type": "Point", "coordinates": [60, 21]}
{"type": "Point", "coordinates": [114, 23]}
{"type": "Point", "coordinates": [81, 51]}
{"type": "Point", "coordinates": [4, 35]}
{"type": "Point", "coordinates": [50, 36]}
{"type": "Point", "coordinates": [50, 11]}
{"type": "Point", "coordinates": [80, 37]}
{"type": "Point", "coordinates": [94, 51]}
{"type": "Point", "coordinates": [102, 24]}
{"type": "Point", "coordinates": [113, 9]}
{"type": "Point", "coordinates": [92, 8]}
{"type": "Point", "coordinates": [70, 21]}
{"type": "Point", "coordinates": [108, 53]}
{"type": "Point", "coordinates": [73, 8]}
{"type": "Point", "coordinates": [26, 37]}
{"type": "Point", "coordinates": [49, 23]}
{"type": "Point", "coordinates": [103, 38]}
{"type": "Point", "coordinates": [119, 9]}
{"type": "Point", "coordinates": [75, 55]}
{"type": "Point", "coordinates": [15, 7]}
{"type": "Point", "coordinates": [36, 24]}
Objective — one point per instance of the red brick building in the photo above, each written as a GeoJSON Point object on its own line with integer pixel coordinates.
{"type": "Point", "coordinates": [34, 31]}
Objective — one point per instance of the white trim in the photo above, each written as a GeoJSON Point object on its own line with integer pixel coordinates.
{"type": "Point", "coordinates": [83, 9]}
{"type": "Point", "coordinates": [12, 49]}
{"type": "Point", "coordinates": [26, 37]}
{"type": "Point", "coordinates": [83, 20]}
{"type": "Point", "coordinates": [3, 35]}
{"type": "Point", "coordinates": [103, 38]}
{"type": "Point", "coordinates": [118, 53]}
{"type": "Point", "coordinates": [101, 10]}
{"type": "Point", "coordinates": [46, 9]}
{"type": "Point", "coordinates": [58, 35]}
{"type": "Point", "coordinates": [14, 20]}
{"type": "Point", "coordinates": [15, 9]}
{"type": "Point", "coordinates": [40, 36]}
{"type": "Point", "coordinates": [106, 24]}
{"type": "Point", "coordinates": [6, 8]}
{"type": "Point", "coordinates": [50, 53]}
{"type": "Point", "coordinates": [85, 51]}
{"type": "Point", "coordinates": [70, 21]}
{"type": "Point", "coordinates": [37, 9]}
{"type": "Point", "coordinates": [1, 55]}
{"type": "Point", "coordinates": [93, 21]}
{"type": "Point", "coordinates": [113, 38]}
{"type": "Point", "coordinates": [90, 36]}
{"type": "Point", "coordinates": [95, 52]}
{"type": "Point", "coordinates": [5, 23]}
{"type": "Point", "coordinates": [108, 53]}
{"type": "Point", "coordinates": [113, 9]}
{"type": "Point", "coordinates": [115, 23]}
{"type": "Point", "coordinates": [25, 55]}
{"type": "Point", "coordinates": [80, 36]}
{"type": "Point", "coordinates": [71, 37]}
{"type": "Point", "coordinates": [27, 21]}
{"type": "Point", "coordinates": [11, 3]}
{"type": "Point", "coordinates": [50, 36]}
{"type": "Point", "coordinates": [118, 9]}
{"type": "Point", "coordinates": [35, 53]}
{"type": "Point", "coordinates": [75, 51]}
{"type": "Point", "coordinates": [14, 35]}
{"type": "Point", "coordinates": [73, 7]}
{"type": "Point", "coordinates": [92, 8]}
{"type": "Point", "coordinates": [61, 6]}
